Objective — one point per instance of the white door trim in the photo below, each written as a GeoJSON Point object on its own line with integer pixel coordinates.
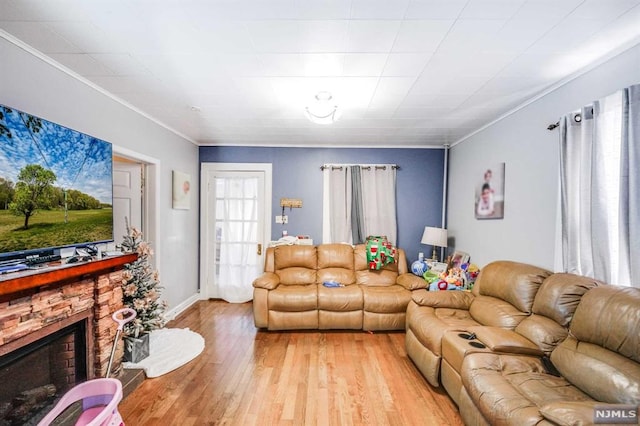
{"type": "Point", "coordinates": [151, 210]}
{"type": "Point", "coordinates": [205, 170]}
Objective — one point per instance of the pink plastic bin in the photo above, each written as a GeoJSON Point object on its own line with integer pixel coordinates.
{"type": "Point", "coordinates": [100, 398]}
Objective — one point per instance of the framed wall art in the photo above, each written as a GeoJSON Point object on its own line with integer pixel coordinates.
{"type": "Point", "coordinates": [181, 190]}
{"type": "Point", "coordinates": [489, 194]}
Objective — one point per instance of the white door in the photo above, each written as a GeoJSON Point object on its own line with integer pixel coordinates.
{"type": "Point", "coordinates": [127, 197]}
{"type": "Point", "coordinates": [236, 206]}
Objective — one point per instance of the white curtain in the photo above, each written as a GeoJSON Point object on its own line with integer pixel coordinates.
{"type": "Point", "coordinates": [237, 236]}
{"type": "Point", "coordinates": [600, 192]}
{"type": "Point", "coordinates": [378, 187]}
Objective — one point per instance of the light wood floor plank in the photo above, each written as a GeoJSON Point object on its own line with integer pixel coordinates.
{"type": "Point", "coordinates": [250, 377]}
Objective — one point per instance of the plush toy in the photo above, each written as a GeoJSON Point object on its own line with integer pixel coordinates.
{"type": "Point", "coordinates": [453, 279]}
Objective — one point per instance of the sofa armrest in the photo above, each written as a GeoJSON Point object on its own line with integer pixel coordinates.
{"type": "Point", "coordinates": [505, 341]}
{"type": "Point", "coordinates": [268, 281]}
{"type": "Point", "coordinates": [453, 299]}
{"type": "Point", "coordinates": [571, 412]}
{"type": "Point", "coordinates": [411, 281]}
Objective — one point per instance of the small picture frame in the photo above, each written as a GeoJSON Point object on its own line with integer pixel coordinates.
{"type": "Point", "coordinates": [459, 257]}
{"type": "Point", "coordinates": [437, 267]}
{"type": "Point", "coordinates": [181, 190]}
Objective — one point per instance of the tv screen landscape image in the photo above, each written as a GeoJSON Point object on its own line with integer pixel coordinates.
{"type": "Point", "coordinates": [55, 186]}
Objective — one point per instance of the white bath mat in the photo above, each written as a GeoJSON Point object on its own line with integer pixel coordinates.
{"type": "Point", "coordinates": [169, 348]}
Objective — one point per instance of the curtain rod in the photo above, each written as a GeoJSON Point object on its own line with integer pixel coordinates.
{"type": "Point", "coordinates": [362, 167]}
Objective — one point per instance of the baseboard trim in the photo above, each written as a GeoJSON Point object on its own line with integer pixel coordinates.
{"type": "Point", "coordinates": [171, 314]}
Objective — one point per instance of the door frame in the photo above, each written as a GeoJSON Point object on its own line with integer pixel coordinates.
{"type": "Point", "coordinates": [151, 198]}
{"type": "Point", "coordinates": [206, 169]}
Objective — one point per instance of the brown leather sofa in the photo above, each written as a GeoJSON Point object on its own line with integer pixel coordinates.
{"type": "Point", "coordinates": [290, 293]}
{"type": "Point", "coordinates": [527, 321]}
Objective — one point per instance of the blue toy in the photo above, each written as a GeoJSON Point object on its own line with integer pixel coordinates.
{"type": "Point", "coordinates": [419, 267]}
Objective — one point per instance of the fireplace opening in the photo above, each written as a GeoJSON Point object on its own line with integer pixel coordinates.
{"type": "Point", "coordinates": [36, 375]}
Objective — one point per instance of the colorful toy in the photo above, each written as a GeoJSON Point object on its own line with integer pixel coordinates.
{"type": "Point", "coordinates": [453, 279]}
{"type": "Point", "coordinates": [419, 267]}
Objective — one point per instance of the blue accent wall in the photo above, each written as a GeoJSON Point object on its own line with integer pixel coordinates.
{"type": "Point", "coordinates": [296, 174]}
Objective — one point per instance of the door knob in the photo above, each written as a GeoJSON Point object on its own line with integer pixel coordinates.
{"type": "Point", "coordinates": [259, 249]}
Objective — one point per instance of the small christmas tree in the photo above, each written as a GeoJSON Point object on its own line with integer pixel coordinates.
{"type": "Point", "coordinates": [141, 286]}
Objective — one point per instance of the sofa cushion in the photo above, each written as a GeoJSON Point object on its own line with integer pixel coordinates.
{"type": "Point", "coordinates": [293, 298]}
{"type": "Point", "coordinates": [601, 355]}
{"type": "Point", "coordinates": [495, 312]}
{"type": "Point", "coordinates": [559, 295]}
{"type": "Point", "coordinates": [343, 299]}
{"type": "Point", "coordinates": [385, 299]}
{"type": "Point", "coordinates": [295, 256]}
{"type": "Point", "coordinates": [609, 316]}
{"type": "Point", "coordinates": [543, 331]}
{"type": "Point", "coordinates": [513, 282]}
{"type": "Point", "coordinates": [335, 256]}
{"type": "Point", "coordinates": [429, 324]}
{"type": "Point", "coordinates": [509, 389]}
{"type": "Point", "coordinates": [295, 264]}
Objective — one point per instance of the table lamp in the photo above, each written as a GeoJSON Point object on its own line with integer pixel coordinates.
{"type": "Point", "coordinates": [436, 237]}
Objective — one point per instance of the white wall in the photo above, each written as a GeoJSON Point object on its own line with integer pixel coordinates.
{"type": "Point", "coordinates": [30, 84]}
{"type": "Point", "coordinates": [531, 154]}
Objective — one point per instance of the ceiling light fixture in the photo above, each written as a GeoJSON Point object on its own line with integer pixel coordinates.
{"type": "Point", "coordinates": [323, 111]}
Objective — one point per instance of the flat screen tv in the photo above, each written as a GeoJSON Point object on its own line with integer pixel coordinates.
{"type": "Point", "coordinates": [55, 187]}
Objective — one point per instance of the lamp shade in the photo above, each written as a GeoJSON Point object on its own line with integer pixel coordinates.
{"type": "Point", "coordinates": [434, 236]}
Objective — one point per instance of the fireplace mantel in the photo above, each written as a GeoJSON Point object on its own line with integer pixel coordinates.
{"type": "Point", "coordinates": [32, 279]}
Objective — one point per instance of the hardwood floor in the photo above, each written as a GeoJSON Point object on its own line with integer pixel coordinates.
{"type": "Point", "coordinates": [250, 377]}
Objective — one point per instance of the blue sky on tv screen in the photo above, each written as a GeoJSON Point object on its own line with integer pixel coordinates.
{"type": "Point", "coordinates": [79, 161]}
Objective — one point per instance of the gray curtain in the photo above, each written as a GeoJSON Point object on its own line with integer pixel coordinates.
{"type": "Point", "coordinates": [600, 193]}
{"type": "Point", "coordinates": [357, 206]}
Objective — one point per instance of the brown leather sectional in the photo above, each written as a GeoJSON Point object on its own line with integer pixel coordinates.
{"type": "Point", "coordinates": [290, 294]}
{"type": "Point", "coordinates": [529, 347]}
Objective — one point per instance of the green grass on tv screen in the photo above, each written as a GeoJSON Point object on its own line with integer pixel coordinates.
{"type": "Point", "coordinates": [47, 228]}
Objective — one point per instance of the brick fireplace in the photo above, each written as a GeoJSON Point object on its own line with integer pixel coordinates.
{"type": "Point", "coordinates": [63, 312]}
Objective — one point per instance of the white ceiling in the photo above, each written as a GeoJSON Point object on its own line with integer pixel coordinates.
{"type": "Point", "coordinates": [405, 72]}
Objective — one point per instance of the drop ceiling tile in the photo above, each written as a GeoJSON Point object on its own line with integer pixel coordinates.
{"type": "Point", "coordinates": [364, 64]}
{"type": "Point", "coordinates": [82, 64]}
{"type": "Point", "coordinates": [275, 36]}
{"type": "Point", "coordinates": [390, 91]}
{"type": "Point", "coordinates": [38, 35]}
{"type": "Point", "coordinates": [517, 35]}
{"type": "Point", "coordinates": [323, 36]}
{"type": "Point", "coordinates": [121, 63]}
{"type": "Point", "coordinates": [270, 9]}
{"type": "Point", "coordinates": [378, 9]}
{"type": "Point", "coordinates": [491, 9]}
{"type": "Point", "coordinates": [406, 64]}
{"type": "Point", "coordinates": [372, 36]}
{"type": "Point", "coordinates": [322, 64]}
{"type": "Point", "coordinates": [598, 9]}
{"type": "Point", "coordinates": [326, 9]}
{"type": "Point", "coordinates": [435, 9]}
{"type": "Point", "coordinates": [571, 32]}
{"type": "Point", "coordinates": [552, 10]}
{"type": "Point", "coordinates": [242, 64]}
{"type": "Point", "coordinates": [225, 37]}
{"type": "Point", "coordinates": [471, 35]}
{"type": "Point", "coordinates": [125, 84]}
{"type": "Point", "coordinates": [87, 36]}
{"type": "Point", "coordinates": [422, 35]}
{"type": "Point", "coordinates": [281, 64]}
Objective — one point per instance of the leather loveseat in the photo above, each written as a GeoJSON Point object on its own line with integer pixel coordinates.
{"type": "Point", "coordinates": [290, 293]}
{"type": "Point", "coordinates": [529, 347]}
